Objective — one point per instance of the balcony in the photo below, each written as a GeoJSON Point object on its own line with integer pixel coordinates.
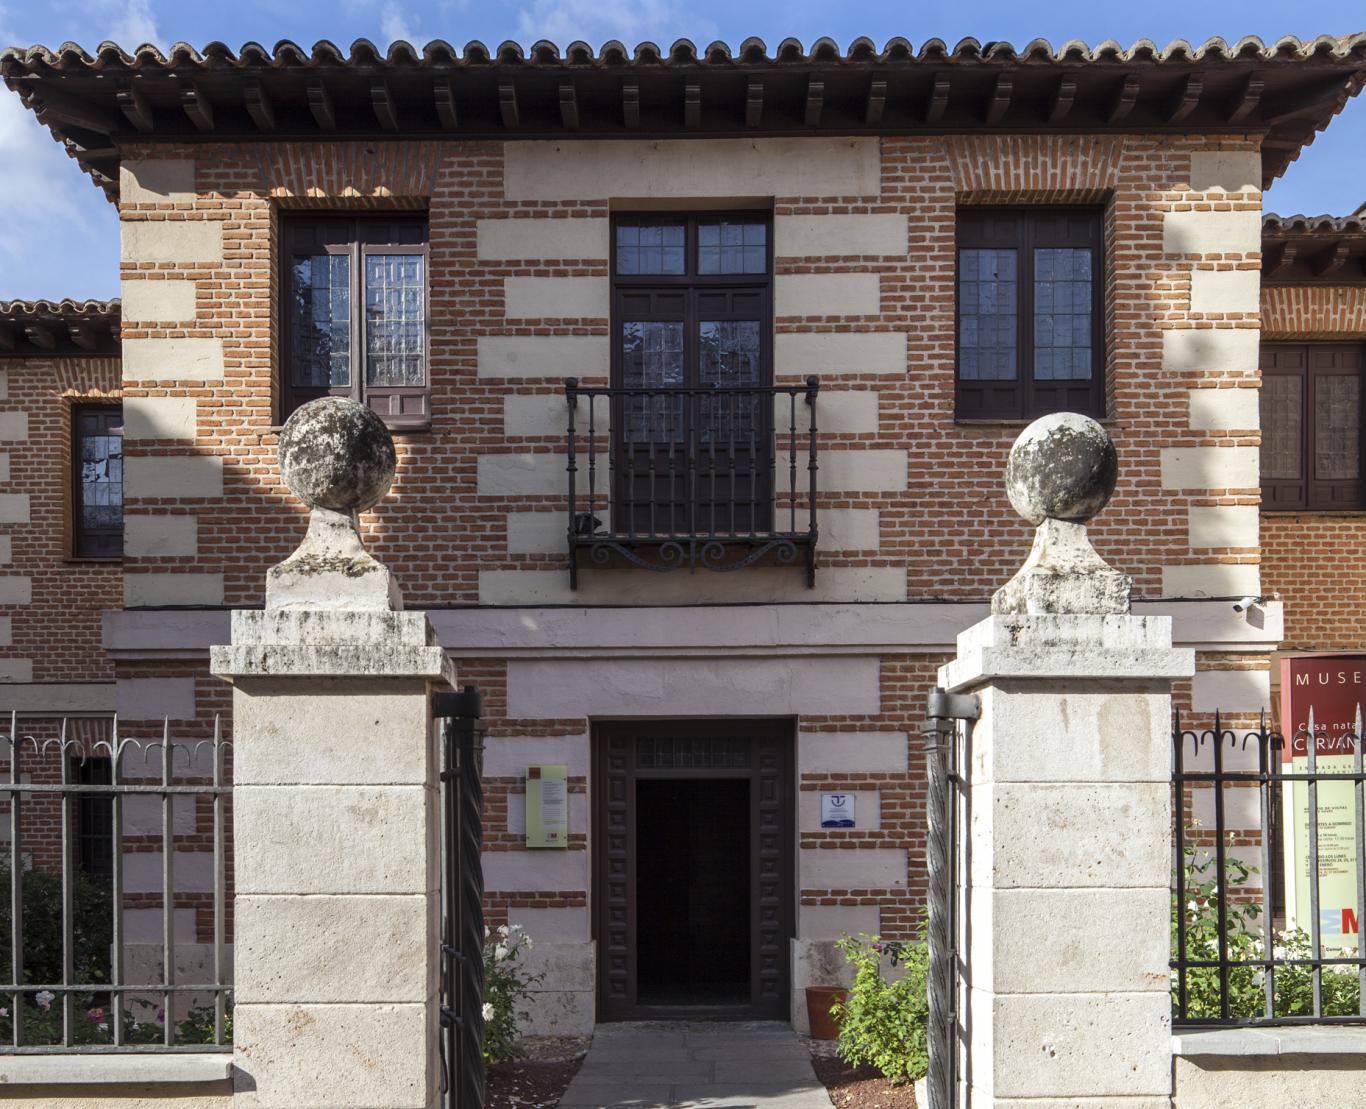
{"type": "Point", "coordinates": [711, 477]}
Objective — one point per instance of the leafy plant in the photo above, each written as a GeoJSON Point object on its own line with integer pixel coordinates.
{"type": "Point", "coordinates": [92, 923]}
{"type": "Point", "coordinates": [1293, 986]}
{"type": "Point", "coordinates": [506, 987]}
{"type": "Point", "coordinates": [884, 1022]}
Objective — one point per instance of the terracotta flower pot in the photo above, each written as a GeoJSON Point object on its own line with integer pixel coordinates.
{"type": "Point", "coordinates": [819, 999]}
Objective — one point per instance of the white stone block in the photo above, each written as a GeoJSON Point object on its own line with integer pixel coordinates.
{"type": "Point", "coordinates": [1215, 580]}
{"type": "Point", "coordinates": [1076, 1046]}
{"type": "Point", "coordinates": [1059, 835]}
{"type": "Point", "coordinates": [155, 698]}
{"type": "Point", "coordinates": [850, 868]}
{"type": "Point", "coordinates": [1225, 525]}
{"type": "Point", "coordinates": [1225, 290]}
{"type": "Point", "coordinates": [1224, 410]}
{"type": "Point", "coordinates": [191, 476]}
{"type": "Point", "coordinates": [557, 926]}
{"type": "Point", "coordinates": [1231, 691]}
{"type": "Point", "coordinates": [535, 298]}
{"type": "Point", "coordinates": [542, 237]}
{"type": "Point", "coordinates": [6, 550]}
{"type": "Point", "coordinates": [1233, 171]}
{"type": "Point", "coordinates": [143, 814]}
{"type": "Point", "coordinates": [333, 839]}
{"type": "Point", "coordinates": [142, 590]}
{"type": "Point", "coordinates": [172, 359]}
{"type": "Point", "coordinates": [853, 470]}
{"type": "Point", "coordinates": [542, 869]}
{"type": "Point", "coordinates": [159, 417]}
{"type": "Point", "coordinates": [563, 966]}
{"type": "Point", "coordinates": [830, 922]}
{"type": "Point", "coordinates": [867, 809]}
{"type": "Point", "coordinates": [509, 756]}
{"type": "Point", "coordinates": [1209, 468]}
{"type": "Point", "coordinates": [1291, 1078]}
{"type": "Point", "coordinates": [172, 240]}
{"type": "Point", "coordinates": [538, 472]}
{"type": "Point", "coordinates": [144, 926]}
{"type": "Point", "coordinates": [733, 686]}
{"type": "Point", "coordinates": [848, 529]}
{"type": "Point", "coordinates": [540, 532]}
{"type": "Point", "coordinates": [159, 301]}
{"type": "Point", "coordinates": [1210, 350]}
{"type": "Point", "coordinates": [16, 590]}
{"type": "Point", "coordinates": [14, 508]}
{"type": "Point", "coordinates": [6, 631]}
{"type": "Point", "coordinates": [160, 535]}
{"type": "Point", "coordinates": [14, 426]}
{"type": "Point", "coordinates": [4, 384]}
{"type": "Point", "coordinates": [340, 1056]}
{"type": "Point", "coordinates": [343, 732]}
{"type": "Point", "coordinates": [721, 169]}
{"type": "Point", "coordinates": [550, 356]}
{"type": "Point", "coordinates": [827, 294]}
{"type": "Point", "coordinates": [1211, 232]}
{"type": "Point", "coordinates": [156, 181]}
{"type": "Point", "coordinates": [832, 353]}
{"type": "Point", "coordinates": [192, 871]}
{"type": "Point", "coordinates": [546, 415]}
{"type": "Point", "coordinates": [839, 235]}
{"type": "Point", "coordinates": [852, 752]}
{"type": "Point", "coordinates": [16, 669]}
{"type": "Point", "coordinates": [838, 411]}
{"type": "Point", "coordinates": [332, 949]}
{"type": "Point", "coordinates": [766, 584]}
{"type": "Point", "coordinates": [557, 1013]}
{"type": "Point", "coordinates": [819, 963]}
{"type": "Point", "coordinates": [1242, 810]}
{"type": "Point", "coordinates": [6, 474]}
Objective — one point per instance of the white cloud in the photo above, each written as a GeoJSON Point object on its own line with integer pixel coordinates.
{"type": "Point", "coordinates": [597, 21]}
{"type": "Point", "coordinates": [395, 24]}
{"type": "Point", "coordinates": [136, 24]}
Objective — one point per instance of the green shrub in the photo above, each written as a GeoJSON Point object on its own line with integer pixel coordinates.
{"type": "Point", "coordinates": [92, 925]}
{"type": "Point", "coordinates": [505, 988]}
{"type": "Point", "coordinates": [885, 1023]}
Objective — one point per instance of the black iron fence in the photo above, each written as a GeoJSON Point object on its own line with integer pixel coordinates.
{"type": "Point", "coordinates": [117, 847]}
{"type": "Point", "coordinates": [666, 478]}
{"type": "Point", "coordinates": [1269, 890]}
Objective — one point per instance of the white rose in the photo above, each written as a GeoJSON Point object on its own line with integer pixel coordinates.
{"type": "Point", "coordinates": [488, 1011]}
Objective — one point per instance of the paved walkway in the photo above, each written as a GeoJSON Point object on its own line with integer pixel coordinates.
{"type": "Point", "coordinates": [657, 1064]}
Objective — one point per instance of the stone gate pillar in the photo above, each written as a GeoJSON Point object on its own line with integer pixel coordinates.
{"type": "Point", "coordinates": [1066, 929]}
{"type": "Point", "coordinates": [335, 802]}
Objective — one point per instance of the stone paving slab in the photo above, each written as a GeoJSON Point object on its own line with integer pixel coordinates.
{"type": "Point", "coordinates": [675, 1065]}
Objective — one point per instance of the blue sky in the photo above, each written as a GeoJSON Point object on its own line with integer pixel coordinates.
{"type": "Point", "coordinates": [59, 237]}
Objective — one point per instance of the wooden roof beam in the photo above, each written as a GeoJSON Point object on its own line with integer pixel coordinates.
{"type": "Point", "coordinates": [382, 101]}
{"type": "Point", "coordinates": [939, 98]}
{"type": "Point", "coordinates": [877, 102]}
{"type": "Point", "coordinates": [1332, 259]}
{"type": "Point", "coordinates": [569, 105]}
{"type": "Point", "coordinates": [320, 104]}
{"type": "Point", "coordinates": [6, 338]}
{"type": "Point", "coordinates": [692, 104]}
{"type": "Point", "coordinates": [134, 106]}
{"type": "Point", "coordinates": [1125, 96]}
{"type": "Point", "coordinates": [815, 101]}
{"type": "Point", "coordinates": [444, 95]}
{"type": "Point", "coordinates": [1247, 100]}
{"type": "Point", "coordinates": [630, 103]}
{"type": "Point", "coordinates": [1187, 97]}
{"type": "Point", "coordinates": [507, 104]}
{"type": "Point", "coordinates": [999, 103]}
{"type": "Point", "coordinates": [41, 336]}
{"type": "Point", "coordinates": [754, 102]}
{"type": "Point", "coordinates": [259, 106]}
{"type": "Point", "coordinates": [1279, 259]}
{"type": "Point", "coordinates": [83, 335]}
{"type": "Point", "coordinates": [1063, 97]}
{"type": "Point", "coordinates": [74, 111]}
{"type": "Point", "coordinates": [197, 105]}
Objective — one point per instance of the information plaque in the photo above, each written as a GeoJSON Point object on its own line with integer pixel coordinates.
{"type": "Point", "coordinates": [547, 806]}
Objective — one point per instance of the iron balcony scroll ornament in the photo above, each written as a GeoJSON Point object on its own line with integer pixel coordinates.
{"type": "Point", "coordinates": [692, 477]}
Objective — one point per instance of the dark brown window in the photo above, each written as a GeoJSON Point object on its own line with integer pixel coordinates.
{"type": "Point", "coordinates": [1311, 426]}
{"type": "Point", "coordinates": [97, 481]}
{"type": "Point", "coordinates": [1030, 313]}
{"type": "Point", "coordinates": [692, 312]}
{"type": "Point", "coordinates": [355, 315]}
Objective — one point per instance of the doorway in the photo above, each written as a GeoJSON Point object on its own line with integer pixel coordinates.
{"type": "Point", "coordinates": [693, 869]}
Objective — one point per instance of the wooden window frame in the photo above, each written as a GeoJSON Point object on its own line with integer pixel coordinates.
{"type": "Point", "coordinates": [380, 398]}
{"type": "Point", "coordinates": [78, 535]}
{"type": "Point", "coordinates": [1306, 493]}
{"type": "Point", "coordinates": [1029, 398]}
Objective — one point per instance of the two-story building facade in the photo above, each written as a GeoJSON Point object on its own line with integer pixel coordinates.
{"type": "Point", "coordinates": [702, 368]}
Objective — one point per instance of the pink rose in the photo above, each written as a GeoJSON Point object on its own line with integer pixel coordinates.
{"type": "Point", "coordinates": [95, 1015]}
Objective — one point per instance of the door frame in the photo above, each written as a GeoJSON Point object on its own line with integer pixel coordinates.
{"type": "Point", "coordinates": [772, 845]}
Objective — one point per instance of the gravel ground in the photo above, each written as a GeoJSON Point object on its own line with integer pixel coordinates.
{"type": "Point", "coordinates": [539, 1079]}
{"type": "Point", "coordinates": [856, 1087]}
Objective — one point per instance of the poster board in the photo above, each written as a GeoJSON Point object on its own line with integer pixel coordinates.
{"type": "Point", "coordinates": [547, 806]}
{"type": "Point", "coordinates": [1322, 696]}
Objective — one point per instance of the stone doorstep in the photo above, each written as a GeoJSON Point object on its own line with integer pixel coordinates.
{"type": "Point", "coordinates": [113, 1068]}
{"type": "Point", "coordinates": [1290, 1040]}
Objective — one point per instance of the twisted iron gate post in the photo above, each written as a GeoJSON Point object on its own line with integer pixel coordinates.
{"type": "Point", "coordinates": [462, 941]}
{"type": "Point", "coordinates": [940, 734]}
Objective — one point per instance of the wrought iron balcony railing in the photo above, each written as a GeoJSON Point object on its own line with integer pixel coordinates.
{"type": "Point", "coordinates": [666, 478]}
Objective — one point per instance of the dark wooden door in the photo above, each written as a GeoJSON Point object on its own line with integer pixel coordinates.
{"type": "Point", "coordinates": [756, 752]}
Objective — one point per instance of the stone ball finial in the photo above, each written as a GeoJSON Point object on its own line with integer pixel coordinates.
{"type": "Point", "coordinates": [337, 454]}
{"type": "Point", "coordinates": [1062, 467]}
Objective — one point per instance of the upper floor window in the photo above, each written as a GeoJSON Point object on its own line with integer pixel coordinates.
{"type": "Point", "coordinates": [1030, 313]}
{"type": "Point", "coordinates": [97, 481]}
{"type": "Point", "coordinates": [1311, 426]}
{"type": "Point", "coordinates": [355, 314]}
